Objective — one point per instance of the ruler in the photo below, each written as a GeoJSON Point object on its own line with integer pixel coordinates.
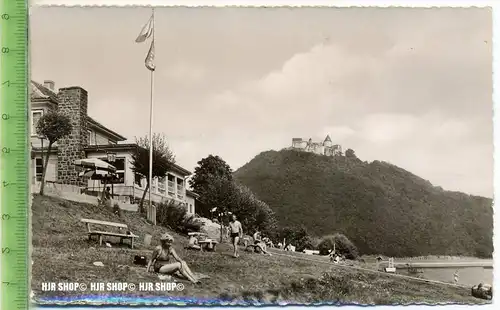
{"type": "Point", "coordinates": [14, 160]}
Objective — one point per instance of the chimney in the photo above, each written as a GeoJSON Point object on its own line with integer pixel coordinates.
{"type": "Point", "coordinates": [49, 84]}
{"type": "Point", "coordinates": [73, 102]}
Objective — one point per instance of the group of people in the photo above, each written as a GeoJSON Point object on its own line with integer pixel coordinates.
{"type": "Point", "coordinates": [236, 233]}
{"type": "Point", "coordinates": [335, 257]}
{"type": "Point", "coordinates": [161, 259]}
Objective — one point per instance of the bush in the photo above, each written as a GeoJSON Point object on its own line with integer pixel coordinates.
{"type": "Point", "coordinates": [343, 246]}
{"type": "Point", "coordinates": [190, 225]}
{"type": "Point", "coordinates": [174, 216]}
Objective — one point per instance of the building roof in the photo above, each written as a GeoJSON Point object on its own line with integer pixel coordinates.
{"type": "Point", "coordinates": [192, 194]}
{"type": "Point", "coordinates": [130, 146]}
{"type": "Point", "coordinates": [40, 92]}
{"type": "Point", "coordinates": [108, 131]}
{"type": "Point", "coordinates": [327, 139]}
{"type": "Point", "coordinates": [111, 147]}
{"type": "Point", "coordinates": [35, 149]}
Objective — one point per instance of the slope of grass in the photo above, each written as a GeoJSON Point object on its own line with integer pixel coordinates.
{"type": "Point", "coordinates": [62, 253]}
{"type": "Point", "coordinates": [382, 208]}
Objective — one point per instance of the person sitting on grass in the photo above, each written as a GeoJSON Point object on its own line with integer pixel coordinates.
{"type": "Point", "coordinates": [161, 261]}
{"type": "Point", "coordinates": [260, 246]}
{"type": "Point", "coordinates": [257, 237]}
{"type": "Point", "coordinates": [193, 243]}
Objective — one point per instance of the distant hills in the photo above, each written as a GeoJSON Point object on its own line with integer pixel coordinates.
{"type": "Point", "coordinates": [382, 208]}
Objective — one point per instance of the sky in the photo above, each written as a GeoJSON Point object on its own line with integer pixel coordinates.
{"type": "Point", "coordinates": [410, 86]}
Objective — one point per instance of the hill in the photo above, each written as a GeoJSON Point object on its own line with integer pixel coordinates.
{"type": "Point", "coordinates": [61, 252]}
{"type": "Point", "coordinates": [382, 208]}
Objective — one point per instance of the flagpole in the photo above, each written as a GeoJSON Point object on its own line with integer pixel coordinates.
{"type": "Point", "coordinates": [151, 127]}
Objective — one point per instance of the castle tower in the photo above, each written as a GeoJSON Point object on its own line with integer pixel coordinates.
{"type": "Point", "coordinates": [309, 145]}
{"type": "Point", "coordinates": [328, 141]}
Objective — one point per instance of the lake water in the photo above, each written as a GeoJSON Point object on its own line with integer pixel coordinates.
{"type": "Point", "coordinates": [466, 275]}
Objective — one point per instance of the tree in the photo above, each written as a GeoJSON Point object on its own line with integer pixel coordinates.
{"type": "Point", "coordinates": [52, 126]}
{"type": "Point", "coordinates": [343, 246]}
{"type": "Point", "coordinates": [350, 153]}
{"type": "Point", "coordinates": [295, 235]}
{"type": "Point", "coordinates": [219, 193]}
{"type": "Point", "coordinates": [163, 158]}
{"type": "Point", "coordinates": [211, 166]}
{"type": "Point", "coordinates": [253, 213]}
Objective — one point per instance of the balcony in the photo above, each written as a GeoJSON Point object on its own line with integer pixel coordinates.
{"type": "Point", "coordinates": [161, 188]}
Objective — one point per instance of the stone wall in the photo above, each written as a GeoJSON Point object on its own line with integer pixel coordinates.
{"type": "Point", "coordinates": [73, 102]}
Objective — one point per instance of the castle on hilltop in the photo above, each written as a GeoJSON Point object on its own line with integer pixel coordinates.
{"type": "Point", "coordinates": [326, 147]}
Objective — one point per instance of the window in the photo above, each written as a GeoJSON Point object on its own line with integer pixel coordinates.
{"type": "Point", "coordinates": [91, 138]}
{"type": "Point", "coordinates": [119, 164]}
{"type": "Point", "coordinates": [171, 185]}
{"type": "Point", "coordinates": [38, 169]}
{"type": "Point", "coordinates": [35, 117]}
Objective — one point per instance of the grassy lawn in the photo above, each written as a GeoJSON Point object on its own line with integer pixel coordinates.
{"type": "Point", "coordinates": [62, 253]}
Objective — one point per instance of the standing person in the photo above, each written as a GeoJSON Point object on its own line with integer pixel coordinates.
{"type": "Point", "coordinates": [236, 233]}
{"type": "Point", "coordinates": [107, 197]}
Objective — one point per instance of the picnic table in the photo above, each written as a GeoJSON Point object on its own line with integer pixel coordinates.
{"type": "Point", "coordinates": [207, 244]}
{"type": "Point", "coordinates": [203, 241]}
{"type": "Point", "coordinates": [124, 232]}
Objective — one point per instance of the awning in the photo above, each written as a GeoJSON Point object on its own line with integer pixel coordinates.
{"type": "Point", "coordinates": [95, 163]}
{"type": "Point", "coordinates": [96, 174]}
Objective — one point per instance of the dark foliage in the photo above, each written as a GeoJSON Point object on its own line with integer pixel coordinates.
{"type": "Point", "coordinates": [213, 181]}
{"type": "Point", "coordinates": [209, 167]}
{"type": "Point", "coordinates": [173, 216]}
{"type": "Point", "coordinates": [383, 209]}
{"type": "Point", "coordinates": [163, 158]}
{"type": "Point", "coordinates": [52, 126]}
{"type": "Point", "coordinates": [296, 236]}
{"type": "Point", "coordinates": [343, 246]}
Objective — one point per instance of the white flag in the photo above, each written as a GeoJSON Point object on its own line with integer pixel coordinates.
{"type": "Point", "coordinates": [150, 58]}
{"type": "Point", "coordinates": [146, 31]}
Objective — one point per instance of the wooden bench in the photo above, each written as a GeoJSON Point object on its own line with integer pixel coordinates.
{"type": "Point", "coordinates": [123, 228]}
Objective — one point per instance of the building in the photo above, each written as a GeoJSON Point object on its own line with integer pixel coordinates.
{"type": "Point", "coordinates": [90, 139]}
{"type": "Point", "coordinates": [326, 147]}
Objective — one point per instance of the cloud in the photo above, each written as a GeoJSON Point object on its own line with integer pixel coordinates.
{"type": "Point", "coordinates": [184, 73]}
{"type": "Point", "coordinates": [415, 102]}
{"type": "Point", "coordinates": [409, 86]}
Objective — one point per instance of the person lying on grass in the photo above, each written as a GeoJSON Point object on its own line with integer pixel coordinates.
{"type": "Point", "coordinates": [161, 262]}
